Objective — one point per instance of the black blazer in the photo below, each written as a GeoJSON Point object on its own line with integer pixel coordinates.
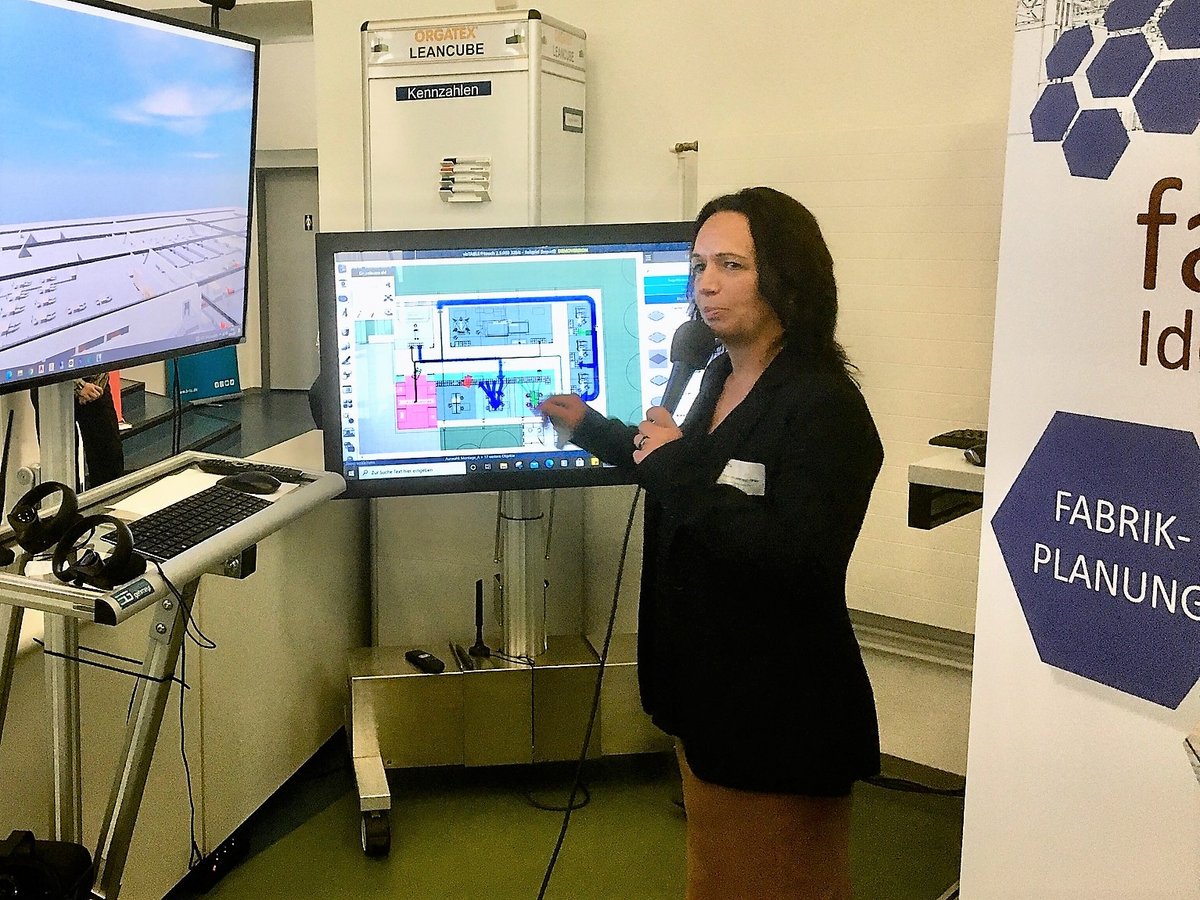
{"type": "Point", "coordinates": [745, 648]}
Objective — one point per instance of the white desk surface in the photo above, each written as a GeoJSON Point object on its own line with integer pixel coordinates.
{"type": "Point", "coordinates": [947, 468]}
{"type": "Point", "coordinates": [306, 451]}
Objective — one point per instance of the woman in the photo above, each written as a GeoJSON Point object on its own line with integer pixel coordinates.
{"type": "Point", "coordinates": [746, 653]}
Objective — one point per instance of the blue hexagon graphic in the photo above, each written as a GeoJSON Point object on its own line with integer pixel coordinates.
{"type": "Point", "coordinates": [1068, 52]}
{"type": "Point", "coordinates": [1169, 99]}
{"type": "Point", "coordinates": [1094, 145]}
{"type": "Point", "coordinates": [1100, 533]}
{"type": "Point", "coordinates": [1180, 25]}
{"type": "Point", "coordinates": [1054, 111]}
{"type": "Point", "coordinates": [1122, 14]}
{"type": "Point", "coordinates": [1119, 64]}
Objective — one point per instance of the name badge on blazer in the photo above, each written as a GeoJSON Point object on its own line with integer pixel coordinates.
{"type": "Point", "coordinates": [748, 477]}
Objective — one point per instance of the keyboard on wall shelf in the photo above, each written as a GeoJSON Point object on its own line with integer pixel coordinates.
{"type": "Point", "coordinates": [169, 531]}
{"type": "Point", "coordinates": [286, 474]}
{"type": "Point", "coordinates": [960, 438]}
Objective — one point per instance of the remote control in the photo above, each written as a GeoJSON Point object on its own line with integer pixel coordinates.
{"type": "Point", "coordinates": [425, 661]}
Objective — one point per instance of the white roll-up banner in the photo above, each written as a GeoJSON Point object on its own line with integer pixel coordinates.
{"type": "Point", "coordinates": [1080, 778]}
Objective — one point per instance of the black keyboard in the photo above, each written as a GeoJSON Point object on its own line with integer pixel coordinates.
{"type": "Point", "coordinates": [185, 523]}
{"type": "Point", "coordinates": [238, 466]}
{"type": "Point", "coordinates": [961, 438]}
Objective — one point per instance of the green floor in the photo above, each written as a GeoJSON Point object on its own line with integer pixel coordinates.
{"type": "Point", "coordinates": [466, 833]}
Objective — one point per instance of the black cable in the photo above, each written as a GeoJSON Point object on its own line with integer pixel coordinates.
{"type": "Point", "coordinates": [107, 655]}
{"type": "Point", "coordinates": [176, 411]}
{"type": "Point", "coordinates": [538, 804]}
{"type": "Point", "coordinates": [518, 660]}
{"type": "Point", "coordinates": [195, 857]}
{"type": "Point", "coordinates": [97, 665]}
{"type": "Point", "coordinates": [204, 642]}
{"type": "Point", "coordinates": [529, 797]}
{"type": "Point", "coordinates": [8, 430]}
{"type": "Point", "coordinates": [587, 737]}
{"type": "Point", "coordinates": [200, 639]}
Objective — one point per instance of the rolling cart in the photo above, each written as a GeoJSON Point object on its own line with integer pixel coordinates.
{"type": "Point", "coordinates": [170, 589]}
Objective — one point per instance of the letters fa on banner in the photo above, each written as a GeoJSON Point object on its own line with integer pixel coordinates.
{"type": "Point", "coordinates": [1172, 345]}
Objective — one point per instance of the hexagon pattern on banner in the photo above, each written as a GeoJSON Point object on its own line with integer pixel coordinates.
{"type": "Point", "coordinates": [1100, 534]}
{"type": "Point", "coordinates": [1168, 100]}
{"type": "Point", "coordinates": [1095, 143]}
{"type": "Point", "coordinates": [1054, 112]}
{"type": "Point", "coordinates": [1119, 65]}
{"type": "Point", "coordinates": [1134, 74]}
{"type": "Point", "coordinates": [1180, 25]}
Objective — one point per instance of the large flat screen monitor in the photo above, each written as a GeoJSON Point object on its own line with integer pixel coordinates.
{"type": "Point", "coordinates": [437, 347]}
{"type": "Point", "coordinates": [125, 184]}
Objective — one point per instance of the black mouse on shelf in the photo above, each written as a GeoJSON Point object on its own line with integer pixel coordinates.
{"type": "Point", "coordinates": [252, 482]}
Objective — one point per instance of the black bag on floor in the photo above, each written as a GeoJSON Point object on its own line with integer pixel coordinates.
{"type": "Point", "coordinates": [43, 870]}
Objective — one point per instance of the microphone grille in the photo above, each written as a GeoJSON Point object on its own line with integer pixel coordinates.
{"type": "Point", "coordinates": [693, 344]}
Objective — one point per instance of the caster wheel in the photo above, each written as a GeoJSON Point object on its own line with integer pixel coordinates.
{"type": "Point", "coordinates": [376, 833]}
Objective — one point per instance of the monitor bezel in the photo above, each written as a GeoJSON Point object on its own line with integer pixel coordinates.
{"type": "Point", "coordinates": [29, 383]}
{"type": "Point", "coordinates": [330, 243]}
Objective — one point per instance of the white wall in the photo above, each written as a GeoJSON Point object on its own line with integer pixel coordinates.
{"type": "Point", "coordinates": [287, 115]}
{"type": "Point", "coordinates": [887, 120]}
{"type": "Point", "coordinates": [286, 126]}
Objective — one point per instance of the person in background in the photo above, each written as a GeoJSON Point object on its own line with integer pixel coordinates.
{"type": "Point", "coordinates": [99, 430]}
{"type": "Point", "coordinates": [746, 652]}
{"type": "Point", "coordinates": [96, 415]}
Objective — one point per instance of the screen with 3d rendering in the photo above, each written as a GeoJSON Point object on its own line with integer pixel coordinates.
{"type": "Point", "coordinates": [125, 185]}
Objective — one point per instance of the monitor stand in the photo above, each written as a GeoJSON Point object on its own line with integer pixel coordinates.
{"type": "Point", "coordinates": [58, 463]}
{"type": "Point", "coordinates": [522, 558]}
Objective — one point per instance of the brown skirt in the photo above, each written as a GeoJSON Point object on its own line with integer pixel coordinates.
{"type": "Point", "coordinates": [757, 846]}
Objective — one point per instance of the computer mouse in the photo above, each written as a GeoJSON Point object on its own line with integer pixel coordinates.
{"type": "Point", "coordinates": [252, 482]}
{"type": "Point", "coordinates": [977, 455]}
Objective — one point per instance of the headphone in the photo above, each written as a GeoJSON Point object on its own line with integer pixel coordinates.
{"type": "Point", "coordinates": [67, 531]}
{"type": "Point", "coordinates": [34, 534]}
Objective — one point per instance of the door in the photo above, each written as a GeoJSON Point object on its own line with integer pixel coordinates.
{"type": "Point", "coordinates": [288, 212]}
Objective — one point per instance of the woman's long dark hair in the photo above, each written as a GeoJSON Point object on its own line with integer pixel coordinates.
{"type": "Point", "coordinates": [795, 269]}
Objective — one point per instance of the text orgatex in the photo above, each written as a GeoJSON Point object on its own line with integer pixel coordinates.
{"type": "Point", "coordinates": [1142, 525]}
{"type": "Point", "coordinates": [445, 41]}
{"type": "Point", "coordinates": [445, 33]}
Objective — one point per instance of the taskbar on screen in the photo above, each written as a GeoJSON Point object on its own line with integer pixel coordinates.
{"type": "Point", "coordinates": [64, 362]}
{"type": "Point", "coordinates": [553, 460]}
{"type": "Point", "coordinates": [91, 353]}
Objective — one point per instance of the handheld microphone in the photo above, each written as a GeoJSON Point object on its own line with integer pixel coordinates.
{"type": "Point", "coordinates": [692, 347]}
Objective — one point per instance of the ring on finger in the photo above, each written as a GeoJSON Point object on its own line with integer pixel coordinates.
{"type": "Point", "coordinates": [640, 442]}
